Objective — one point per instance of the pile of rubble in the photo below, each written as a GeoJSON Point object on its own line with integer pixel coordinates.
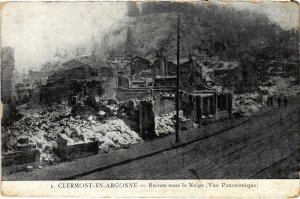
{"type": "Point", "coordinates": [111, 123]}
{"type": "Point", "coordinates": [97, 107]}
{"type": "Point", "coordinates": [113, 134]}
{"type": "Point", "coordinates": [42, 126]}
{"type": "Point", "coordinates": [246, 104]}
{"type": "Point", "coordinates": [165, 124]}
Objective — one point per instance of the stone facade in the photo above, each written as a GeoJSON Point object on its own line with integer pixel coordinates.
{"type": "Point", "coordinates": [75, 79]}
{"type": "Point", "coordinates": [164, 104]}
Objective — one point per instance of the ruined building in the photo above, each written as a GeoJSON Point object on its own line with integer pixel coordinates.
{"type": "Point", "coordinates": [190, 72]}
{"type": "Point", "coordinates": [137, 66]}
{"type": "Point", "coordinates": [120, 63]}
{"type": "Point", "coordinates": [72, 70]}
{"type": "Point", "coordinates": [227, 74]}
{"type": "Point", "coordinates": [162, 66]}
{"type": "Point", "coordinates": [7, 68]}
{"type": "Point", "coordinates": [159, 78]}
{"type": "Point", "coordinates": [206, 106]}
{"type": "Point", "coordinates": [75, 78]}
{"type": "Point", "coordinates": [191, 75]}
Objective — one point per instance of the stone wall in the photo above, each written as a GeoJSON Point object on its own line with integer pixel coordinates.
{"type": "Point", "coordinates": [58, 91]}
{"type": "Point", "coordinates": [164, 105]}
{"type": "Point", "coordinates": [69, 152]}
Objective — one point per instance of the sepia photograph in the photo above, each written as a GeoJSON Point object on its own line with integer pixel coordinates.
{"type": "Point", "coordinates": [143, 90]}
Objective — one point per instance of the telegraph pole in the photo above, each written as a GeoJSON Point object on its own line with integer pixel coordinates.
{"type": "Point", "coordinates": [178, 84]}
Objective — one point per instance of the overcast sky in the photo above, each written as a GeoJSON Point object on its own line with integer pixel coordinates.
{"type": "Point", "coordinates": [37, 30]}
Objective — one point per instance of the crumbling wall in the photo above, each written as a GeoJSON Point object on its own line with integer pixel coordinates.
{"type": "Point", "coordinates": [207, 108]}
{"type": "Point", "coordinates": [72, 151]}
{"type": "Point", "coordinates": [164, 105]}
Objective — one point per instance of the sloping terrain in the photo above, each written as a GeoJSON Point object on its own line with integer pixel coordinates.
{"type": "Point", "coordinates": [216, 30]}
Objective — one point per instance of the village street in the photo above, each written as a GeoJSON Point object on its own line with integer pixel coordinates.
{"type": "Point", "coordinates": [247, 151]}
{"type": "Point", "coordinates": [262, 146]}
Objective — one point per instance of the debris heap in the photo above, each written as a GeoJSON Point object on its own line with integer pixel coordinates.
{"type": "Point", "coordinates": [165, 124]}
{"type": "Point", "coordinates": [247, 104]}
{"type": "Point", "coordinates": [41, 127]}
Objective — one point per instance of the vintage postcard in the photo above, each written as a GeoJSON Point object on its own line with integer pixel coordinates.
{"type": "Point", "coordinates": [150, 99]}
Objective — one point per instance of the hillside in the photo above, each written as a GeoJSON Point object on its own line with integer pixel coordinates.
{"type": "Point", "coordinates": [207, 28]}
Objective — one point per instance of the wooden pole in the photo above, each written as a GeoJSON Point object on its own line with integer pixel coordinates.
{"type": "Point", "coordinates": [178, 84]}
